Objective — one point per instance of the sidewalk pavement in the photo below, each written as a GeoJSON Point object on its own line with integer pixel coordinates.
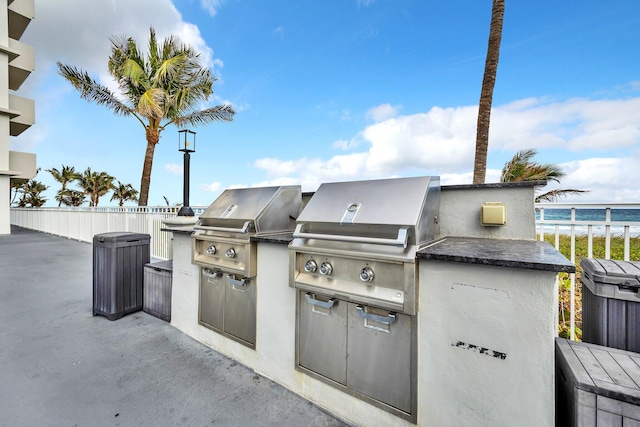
{"type": "Point", "coordinates": [61, 366]}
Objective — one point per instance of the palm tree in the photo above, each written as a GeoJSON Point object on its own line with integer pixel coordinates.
{"type": "Point", "coordinates": [95, 185]}
{"type": "Point", "coordinates": [486, 93]}
{"type": "Point", "coordinates": [123, 192]}
{"type": "Point", "coordinates": [70, 197]}
{"type": "Point", "coordinates": [162, 88]}
{"type": "Point", "coordinates": [31, 194]}
{"type": "Point", "coordinates": [64, 176]}
{"type": "Point", "coordinates": [522, 168]}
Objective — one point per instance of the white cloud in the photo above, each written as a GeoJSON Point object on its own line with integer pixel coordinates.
{"type": "Point", "coordinates": [574, 124]}
{"type": "Point", "coordinates": [174, 168]}
{"type": "Point", "coordinates": [213, 187]}
{"type": "Point", "coordinates": [57, 35]}
{"type": "Point", "coordinates": [340, 144]}
{"type": "Point", "coordinates": [442, 142]}
{"type": "Point", "coordinates": [278, 31]}
{"type": "Point", "coordinates": [383, 112]}
{"type": "Point", "coordinates": [211, 6]}
{"type": "Point", "coordinates": [606, 178]}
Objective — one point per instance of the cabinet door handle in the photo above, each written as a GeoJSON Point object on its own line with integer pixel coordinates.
{"type": "Point", "coordinates": [319, 303]}
{"type": "Point", "coordinates": [387, 320]}
{"type": "Point", "coordinates": [236, 284]}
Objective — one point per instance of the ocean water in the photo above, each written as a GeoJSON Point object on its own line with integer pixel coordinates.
{"type": "Point", "coordinates": [620, 216]}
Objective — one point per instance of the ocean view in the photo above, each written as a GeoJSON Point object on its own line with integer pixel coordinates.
{"type": "Point", "coordinates": [619, 218]}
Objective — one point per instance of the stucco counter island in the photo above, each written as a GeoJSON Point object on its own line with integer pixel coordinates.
{"type": "Point", "coordinates": [486, 320]}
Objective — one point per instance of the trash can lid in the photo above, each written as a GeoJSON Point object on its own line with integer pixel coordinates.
{"type": "Point", "coordinates": [611, 272]}
{"type": "Point", "coordinates": [120, 236]}
{"type": "Point", "coordinates": [161, 265]}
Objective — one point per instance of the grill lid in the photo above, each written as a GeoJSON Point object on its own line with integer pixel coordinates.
{"type": "Point", "coordinates": [259, 209]}
{"type": "Point", "coordinates": [399, 211]}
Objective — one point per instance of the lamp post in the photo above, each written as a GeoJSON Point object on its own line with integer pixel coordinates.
{"type": "Point", "coordinates": [186, 144]}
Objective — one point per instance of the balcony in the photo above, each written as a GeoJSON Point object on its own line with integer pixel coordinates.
{"type": "Point", "coordinates": [22, 163]}
{"type": "Point", "coordinates": [21, 63]}
{"type": "Point", "coordinates": [27, 114]}
{"type": "Point", "coordinates": [20, 14]}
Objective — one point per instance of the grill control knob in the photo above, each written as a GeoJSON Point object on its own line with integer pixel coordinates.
{"type": "Point", "coordinates": [325, 268]}
{"type": "Point", "coordinates": [366, 274]}
{"type": "Point", "coordinates": [211, 250]}
{"type": "Point", "coordinates": [231, 253]}
{"type": "Point", "coordinates": [310, 266]}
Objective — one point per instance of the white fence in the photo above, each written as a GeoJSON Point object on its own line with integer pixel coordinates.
{"type": "Point", "coordinates": [619, 220]}
{"type": "Point", "coordinates": [553, 219]}
{"type": "Point", "coordinates": [83, 223]}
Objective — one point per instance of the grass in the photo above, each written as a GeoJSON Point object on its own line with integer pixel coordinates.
{"type": "Point", "coordinates": [581, 251]}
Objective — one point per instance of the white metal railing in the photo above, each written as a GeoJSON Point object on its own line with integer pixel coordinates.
{"type": "Point", "coordinates": [590, 220]}
{"type": "Point", "coordinates": [82, 223]}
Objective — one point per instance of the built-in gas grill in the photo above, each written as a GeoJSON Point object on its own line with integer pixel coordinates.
{"type": "Point", "coordinates": [353, 264]}
{"type": "Point", "coordinates": [222, 247]}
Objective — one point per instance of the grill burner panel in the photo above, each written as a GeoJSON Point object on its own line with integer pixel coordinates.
{"type": "Point", "coordinates": [243, 263]}
{"type": "Point", "coordinates": [386, 288]}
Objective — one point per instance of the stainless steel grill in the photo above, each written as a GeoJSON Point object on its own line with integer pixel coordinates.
{"type": "Point", "coordinates": [358, 240]}
{"type": "Point", "coordinates": [353, 264]}
{"type": "Point", "coordinates": [222, 246]}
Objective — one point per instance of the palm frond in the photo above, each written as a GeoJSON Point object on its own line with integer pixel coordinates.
{"type": "Point", "coordinates": [553, 195]}
{"type": "Point", "coordinates": [219, 113]}
{"type": "Point", "coordinates": [92, 91]}
{"type": "Point", "coordinates": [522, 168]}
{"type": "Point", "coordinates": [152, 104]}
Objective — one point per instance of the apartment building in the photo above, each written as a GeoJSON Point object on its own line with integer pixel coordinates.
{"type": "Point", "coordinates": [17, 114]}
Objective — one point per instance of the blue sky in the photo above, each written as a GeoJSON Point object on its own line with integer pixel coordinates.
{"type": "Point", "coordinates": [352, 89]}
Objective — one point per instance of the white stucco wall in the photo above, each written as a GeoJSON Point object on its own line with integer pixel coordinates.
{"type": "Point", "coordinates": [460, 212]}
{"type": "Point", "coordinates": [506, 310]}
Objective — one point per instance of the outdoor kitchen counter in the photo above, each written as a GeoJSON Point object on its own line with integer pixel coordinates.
{"type": "Point", "coordinates": [524, 254]}
{"type": "Point", "coordinates": [284, 239]}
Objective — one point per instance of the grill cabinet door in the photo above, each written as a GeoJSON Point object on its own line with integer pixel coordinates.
{"type": "Point", "coordinates": [380, 355]}
{"type": "Point", "coordinates": [211, 299]}
{"type": "Point", "coordinates": [322, 336]}
{"type": "Point", "coordinates": [240, 308]}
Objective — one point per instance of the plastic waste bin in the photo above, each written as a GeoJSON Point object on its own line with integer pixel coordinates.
{"type": "Point", "coordinates": [611, 303]}
{"type": "Point", "coordinates": [157, 289]}
{"type": "Point", "coordinates": [118, 272]}
{"type": "Point", "coordinates": [596, 386]}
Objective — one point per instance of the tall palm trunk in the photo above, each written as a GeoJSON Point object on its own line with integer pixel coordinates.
{"type": "Point", "coordinates": [153, 137]}
{"type": "Point", "coordinates": [486, 94]}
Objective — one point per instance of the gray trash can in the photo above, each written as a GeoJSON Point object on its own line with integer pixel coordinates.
{"type": "Point", "coordinates": [596, 386]}
{"type": "Point", "coordinates": [118, 273]}
{"type": "Point", "coordinates": [611, 303]}
{"type": "Point", "coordinates": [157, 289]}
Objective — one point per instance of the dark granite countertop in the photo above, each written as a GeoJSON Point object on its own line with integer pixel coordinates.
{"type": "Point", "coordinates": [282, 238]}
{"type": "Point", "coordinates": [527, 254]}
{"type": "Point", "coordinates": [494, 185]}
{"type": "Point", "coordinates": [182, 230]}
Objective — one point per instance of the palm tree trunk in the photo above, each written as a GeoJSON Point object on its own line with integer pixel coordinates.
{"type": "Point", "coordinates": [486, 94]}
{"type": "Point", "coordinates": [153, 136]}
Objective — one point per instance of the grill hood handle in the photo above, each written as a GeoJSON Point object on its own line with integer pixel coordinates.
{"type": "Point", "coordinates": [400, 240]}
{"type": "Point", "coordinates": [242, 230]}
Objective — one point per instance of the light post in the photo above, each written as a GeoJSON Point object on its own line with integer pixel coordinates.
{"type": "Point", "coordinates": [186, 144]}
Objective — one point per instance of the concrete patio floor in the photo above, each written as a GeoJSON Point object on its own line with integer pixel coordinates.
{"type": "Point", "coordinates": [61, 366]}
